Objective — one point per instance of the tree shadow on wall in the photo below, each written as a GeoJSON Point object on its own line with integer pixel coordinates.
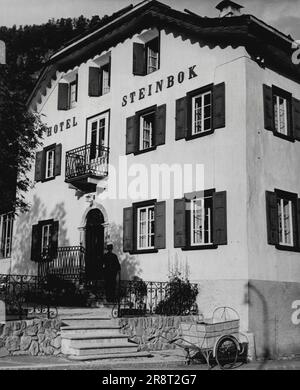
{"type": "Point", "coordinates": [129, 264]}
{"type": "Point", "coordinates": [22, 263]}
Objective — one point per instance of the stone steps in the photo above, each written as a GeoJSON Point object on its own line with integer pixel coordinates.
{"type": "Point", "coordinates": [91, 334]}
{"type": "Point", "coordinates": [120, 355]}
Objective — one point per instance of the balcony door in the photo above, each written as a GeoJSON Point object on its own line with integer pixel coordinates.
{"type": "Point", "coordinates": [94, 245]}
{"type": "Point", "coordinates": [98, 136]}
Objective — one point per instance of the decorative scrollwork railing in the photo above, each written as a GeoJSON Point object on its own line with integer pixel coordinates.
{"type": "Point", "coordinates": [87, 160]}
{"type": "Point", "coordinates": [26, 296]}
{"type": "Point", "coordinates": [140, 298]}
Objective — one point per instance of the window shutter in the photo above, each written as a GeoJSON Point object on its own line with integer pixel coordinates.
{"type": "Point", "coordinates": [132, 134]}
{"type": "Point", "coordinates": [219, 106]}
{"type": "Point", "coordinates": [296, 118]}
{"type": "Point", "coordinates": [128, 229]}
{"type": "Point", "coordinates": [63, 96]}
{"type": "Point", "coordinates": [179, 223]}
{"type": "Point", "coordinates": [272, 217]}
{"type": "Point", "coordinates": [58, 150]}
{"type": "Point", "coordinates": [139, 60]}
{"type": "Point", "coordinates": [268, 107]}
{"type": "Point", "coordinates": [54, 239]}
{"type": "Point", "coordinates": [219, 218]}
{"type": "Point", "coordinates": [181, 118]}
{"type": "Point", "coordinates": [36, 243]}
{"type": "Point", "coordinates": [160, 225]}
{"type": "Point", "coordinates": [298, 221]}
{"type": "Point", "coordinates": [94, 81]}
{"type": "Point", "coordinates": [109, 71]}
{"type": "Point", "coordinates": [160, 125]}
{"type": "Point", "coordinates": [39, 166]}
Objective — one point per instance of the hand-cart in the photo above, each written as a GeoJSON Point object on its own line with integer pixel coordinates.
{"type": "Point", "coordinates": [216, 339]}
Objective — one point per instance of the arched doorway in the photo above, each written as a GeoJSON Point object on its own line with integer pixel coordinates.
{"type": "Point", "coordinates": [94, 245]}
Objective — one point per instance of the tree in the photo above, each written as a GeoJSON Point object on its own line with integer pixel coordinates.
{"type": "Point", "coordinates": [20, 134]}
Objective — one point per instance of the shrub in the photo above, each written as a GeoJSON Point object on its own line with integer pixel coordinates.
{"type": "Point", "coordinates": [180, 298]}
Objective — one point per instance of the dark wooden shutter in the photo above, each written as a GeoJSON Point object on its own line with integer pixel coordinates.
{"type": "Point", "coordinates": [219, 106]}
{"type": "Point", "coordinates": [160, 125]}
{"type": "Point", "coordinates": [272, 218]}
{"type": "Point", "coordinates": [58, 150]}
{"type": "Point", "coordinates": [54, 239]}
{"type": "Point", "coordinates": [39, 166]}
{"type": "Point", "coordinates": [139, 59]}
{"type": "Point", "coordinates": [268, 107]}
{"type": "Point", "coordinates": [181, 118]}
{"type": "Point", "coordinates": [132, 134]}
{"type": "Point", "coordinates": [36, 243]}
{"type": "Point", "coordinates": [160, 225]}
{"type": "Point", "coordinates": [179, 223]}
{"type": "Point", "coordinates": [298, 222]}
{"type": "Point", "coordinates": [296, 118]}
{"type": "Point", "coordinates": [219, 218]}
{"type": "Point", "coordinates": [128, 229]}
{"type": "Point", "coordinates": [109, 71]}
{"type": "Point", "coordinates": [94, 81]}
{"type": "Point", "coordinates": [63, 96]}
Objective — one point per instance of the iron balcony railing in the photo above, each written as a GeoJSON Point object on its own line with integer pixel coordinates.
{"type": "Point", "coordinates": [68, 262]}
{"type": "Point", "coordinates": [88, 160]}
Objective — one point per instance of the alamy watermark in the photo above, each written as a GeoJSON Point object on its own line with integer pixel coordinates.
{"type": "Point", "coordinates": [152, 181]}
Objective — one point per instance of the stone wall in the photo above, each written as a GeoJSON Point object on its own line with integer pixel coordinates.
{"type": "Point", "coordinates": [141, 329]}
{"type": "Point", "coordinates": [30, 337]}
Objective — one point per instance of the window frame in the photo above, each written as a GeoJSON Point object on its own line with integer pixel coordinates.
{"type": "Point", "coordinates": [281, 93]}
{"type": "Point", "coordinates": [291, 197]}
{"type": "Point", "coordinates": [73, 104]}
{"type": "Point", "coordinates": [46, 150]}
{"type": "Point", "coordinates": [103, 68]}
{"type": "Point", "coordinates": [191, 96]}
{"type": "Point", "coordinates": [147, 54]}
{"type": "Point", "coordinates": [6, 241]}
{"type": "Point", "coordinates": [49, 152]}
{"type": "Point", "coordinates": [136, 207]}
{"type": "Point", "coordinates": [188, 217]}
{"type": "Point", "coordinates": [140, 114]}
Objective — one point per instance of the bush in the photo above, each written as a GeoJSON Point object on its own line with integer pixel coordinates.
{"type": "Point", "coordinates": [180, 298]}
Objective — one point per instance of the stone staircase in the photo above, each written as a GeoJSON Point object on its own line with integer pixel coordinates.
{"type": "Point", "coordinates": [92, 334]}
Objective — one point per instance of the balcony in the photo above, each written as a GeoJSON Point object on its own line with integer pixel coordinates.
{"type": "Point", "coordinates": [86, 166]}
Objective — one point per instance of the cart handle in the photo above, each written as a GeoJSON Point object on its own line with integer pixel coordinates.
{"type": "Point", "coordinates": [225, 310]}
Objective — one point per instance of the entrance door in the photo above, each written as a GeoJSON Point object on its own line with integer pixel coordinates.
{"type": "Point", "coordinates": [94, 242]}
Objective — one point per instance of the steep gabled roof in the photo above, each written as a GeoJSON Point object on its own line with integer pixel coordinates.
{"type": "Point", "coordinates": [259, 39]}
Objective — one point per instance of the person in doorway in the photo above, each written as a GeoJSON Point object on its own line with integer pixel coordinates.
{"type": "Point", "coordinates": [112, 269]}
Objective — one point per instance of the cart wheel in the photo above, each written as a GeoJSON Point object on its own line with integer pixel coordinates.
{"type": "Point", "coordinates": [115, 312]}
{"type": "Point", "coordinates": [226, 352]}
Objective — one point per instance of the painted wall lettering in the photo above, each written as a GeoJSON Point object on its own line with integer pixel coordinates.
{"type": "Point", "coordinates": [296, 314]}
{"type": "Point", "coordinates": [160, 85]}
{"type": "Point", "coordinates": [61, 126]}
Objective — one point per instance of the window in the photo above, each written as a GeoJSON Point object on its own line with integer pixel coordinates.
{"type": "Point", "coordinates": [105, 87]}
{"type": "Point", "coordinates": [6, 231]}
{"type": "Point", "coordinates": [46, 238]}
{"type": "Point", "coordinates": [68, 92]}
{"type": "Point", "coordinates": [145, 235]}
{"type": "Point", "coordinates": [144, 227]}
{"type": "Point", "coordinates": [146, 130]}
{"type": "Point", "coordinates": [146, 55]}
{"type": "Point", "coordinates": [73, 94]}
{"type": "Point", "coordinates": [201, 221]}
{"type": "Point", "coordinates": [283, 220]}
{"type": "Point", "coordinates": [147, 123]}
{"type": "Point", "coordinates": [99, 78]}
{"type": "Point", "coordinates": [48, 163]}
{"type": "Point", "coordinates": [201, 113]}
{"type": "Point", "coordinates": [50, 158]}
{"type": "Point", "coordinates": [281, 113]}
{"type": "Point", "coordinates": [152, 55]}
